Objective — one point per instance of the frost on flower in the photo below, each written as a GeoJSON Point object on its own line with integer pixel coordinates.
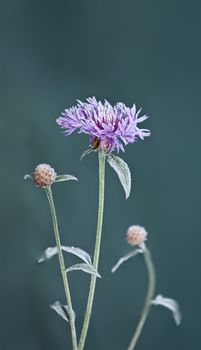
{"type": "Point", "coordinates": [110, 127]}
{"type": "Point", "coordinates": [136, 235]}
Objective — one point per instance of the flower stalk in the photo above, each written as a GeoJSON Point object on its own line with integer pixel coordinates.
{"type": "Point", "coordinates": [148, 300]}
{"type": "Point", "coordinates": [62, 267]}
{"type": "Point", "coordinates": [85, 327]}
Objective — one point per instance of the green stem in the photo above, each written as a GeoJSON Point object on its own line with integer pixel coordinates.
{"type": "Point", "coordinates": [149, 297]}
{"type": "Point", "coordinates": [96, 251]}
{"type": "Point", "coordinates": [62, 267]}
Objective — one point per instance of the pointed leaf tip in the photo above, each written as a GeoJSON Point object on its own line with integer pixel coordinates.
{"type": "Point", "coordinates": [123, 172]}
{"type": "Point", "coordinates": [85, 153]}
{"type": "Point", "coordinates": [60, 309]}
{"type": "Point", "coordinates": [61, 178]}
{"type": "Point", "coordinates": [78, 252]}
{"type": "Point", "coordinates": [170, 304]}
{"type": "Point", "coordinates": [48, 254]}
{"type": "Point", "coordinates": [125, 258]}
{"type": "Point", "coordinates": [85, 268]}
{"type": "Point", "coordinates": [51, 251]}
{"type": "Point", "coordinates": [27, 176]}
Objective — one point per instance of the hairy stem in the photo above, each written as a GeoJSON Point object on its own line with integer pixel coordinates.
{"type": "Point", "coordinates": [148, 300]}
{"type": "Point", "coordinates": [62, 267]}
{"type": "Point", "coordinates": [96, 251]}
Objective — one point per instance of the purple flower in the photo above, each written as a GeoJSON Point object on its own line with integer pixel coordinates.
{"type": "Point", "coordinates": [109, 127]}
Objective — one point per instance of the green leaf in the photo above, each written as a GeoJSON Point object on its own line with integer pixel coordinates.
{"type": "Point", "coordinates": [170, 304]}
{"type": "Point", "coordinates": [125, 258]}
{"type": "Point", "coordinates": [78, 252]}
{"type": "Point", "coordinates": [84, 267]}
{"type": "Point", "coordinates": [51, 251]}
{"type": "Point", "coordinates": [60, 178]}
{"type": "Point", "coordinates": [61, 310]}
{"type": "Point", "coordinates": [48, 254]}
{"type": "Point", "coordinates": [122, 171]}
{"type": "Point", "coordinates": [85, 153]}
{"type": "Point", "coordinates": [27, 176]}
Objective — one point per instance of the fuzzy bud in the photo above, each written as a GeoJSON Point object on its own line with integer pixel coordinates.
{"type": "Point", "coordinates": [136, 235]}
{"type": "Point", "coordinates": [44, 175]}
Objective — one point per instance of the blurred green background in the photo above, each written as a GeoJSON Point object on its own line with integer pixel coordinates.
{"type": "Point", "coordinates": [52, 53]}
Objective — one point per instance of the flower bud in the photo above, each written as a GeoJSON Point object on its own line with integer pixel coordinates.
{"type": "Point", "coordinates": [136, 235]}
{"type": "Point", "coordinates": [44, 175]}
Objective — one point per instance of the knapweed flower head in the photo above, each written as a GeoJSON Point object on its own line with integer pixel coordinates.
{"type": "Point", "coordinates": [44, 175]}
{"type": "Point", "coordinates": [136, 235]}
{"type": "Point", "coordinates": [110, 127]}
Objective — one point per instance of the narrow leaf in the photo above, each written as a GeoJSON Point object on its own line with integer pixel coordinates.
{"type": "Point", "coordinates": [60, 178]}
{"type": "Point", "coordinates": [170, 304]}
{"type": "Point", "coordinates": [84, 267]}
{"type": "Point", "coordinates": [51, 251]}
{"type": "Point", "coordinates": [60, 309]}
{"type": "Point", "coordinates": [27, 176]}
{"type": "Point", "coordinates": [78, 252]}
{"type": "Point", "coordinates": [85, 153]}
{"type": "Point", "coordinates": [125, 258]}
{"type": "Point", "coordinates": [48, 254]}
{"type": "Point", "coordinates": [122, 171]}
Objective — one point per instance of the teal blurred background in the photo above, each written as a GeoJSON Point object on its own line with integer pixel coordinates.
{"type": "Point", "coordinates": [53, 53]}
